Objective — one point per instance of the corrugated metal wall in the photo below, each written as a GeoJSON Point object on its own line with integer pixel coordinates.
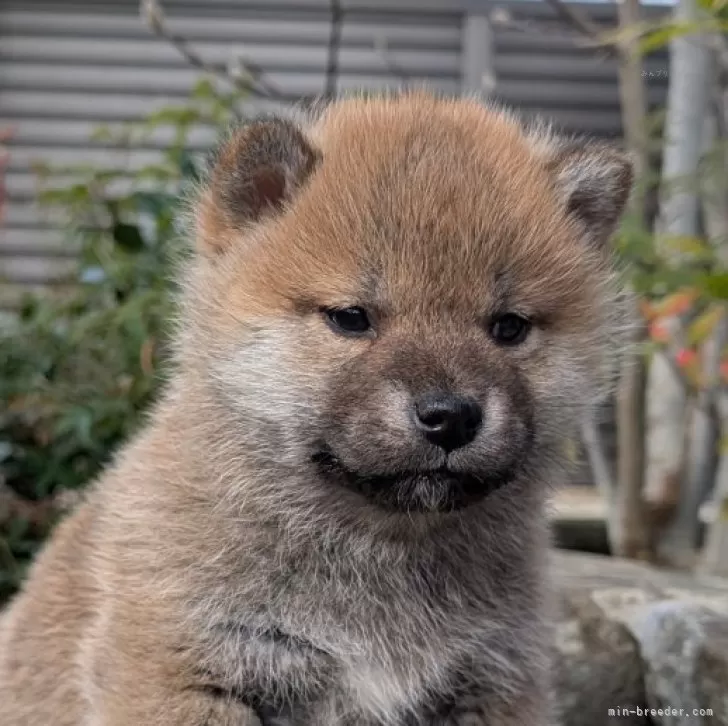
{"type": "Point", "coordinates": [66, 67]}
{"type": "Point", "coordinates": [545, 68]}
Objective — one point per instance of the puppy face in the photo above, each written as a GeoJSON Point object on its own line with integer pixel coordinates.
{"type": "Point", "coordinates": [409, 300]}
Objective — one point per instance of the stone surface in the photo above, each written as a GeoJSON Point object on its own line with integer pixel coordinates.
{"type": "Point", "coordinates": [637, 645]}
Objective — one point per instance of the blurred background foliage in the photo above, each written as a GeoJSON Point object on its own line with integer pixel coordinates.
{"type": "Point", "coordinates": [77, 370]}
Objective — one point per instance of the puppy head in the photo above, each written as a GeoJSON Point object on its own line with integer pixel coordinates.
{"type": "Point", "coordinates": [409, 300]}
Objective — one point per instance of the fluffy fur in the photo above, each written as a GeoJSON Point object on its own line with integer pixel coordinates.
{"type": "Point", "coordinates": [217, 573]}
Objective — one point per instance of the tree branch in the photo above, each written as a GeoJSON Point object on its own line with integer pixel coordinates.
{"type": "Point", "coordinates": [603, 476]}
{"type": "Point", "coordinates": [502, 17]}
{"type": "Point", "coordinates": [382, 50]}
{"type": "Point", "coordinates": [577, 19]}
{"type": "Point", "coordinates": [585, 26]}
{"type": "Point", "coordinates": [153, 15]}
{"type": "Point", "coordinates": [630, 519]}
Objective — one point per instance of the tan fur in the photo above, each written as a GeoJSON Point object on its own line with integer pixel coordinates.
{"type": "Point", "coordinates": [153, 603]}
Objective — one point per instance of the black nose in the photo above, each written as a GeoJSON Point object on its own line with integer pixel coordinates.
{"type": "Point", "coordinates": [447, 420]}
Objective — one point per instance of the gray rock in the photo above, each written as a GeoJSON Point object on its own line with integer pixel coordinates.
{"type": "Point", "coordinates": [598, 668]}
{"type": "Point", "coordinates": [636, 645]}
{"type": "Point", "coordinates": [685, 648]}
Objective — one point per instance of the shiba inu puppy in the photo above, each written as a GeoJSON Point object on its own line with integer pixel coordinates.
{"type": "Point", "coordinates": [396, 314]}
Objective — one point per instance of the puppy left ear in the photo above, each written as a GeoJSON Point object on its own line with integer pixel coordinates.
{"type": "Point", "coordinates": [260, 169]}
{"type": "Point", "coordinates": [593, 181]}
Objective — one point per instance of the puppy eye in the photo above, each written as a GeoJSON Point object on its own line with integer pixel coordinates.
{"type": "Point", "coordinates": [510, 329]}
{"type": "Point", "coordinates": [350, 321]}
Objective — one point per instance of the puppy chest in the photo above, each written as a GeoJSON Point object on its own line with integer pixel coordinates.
{"type": "Point", "coordinates": [383, 695]}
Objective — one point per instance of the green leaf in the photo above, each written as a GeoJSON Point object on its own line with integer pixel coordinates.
{"type": "Point", "coordinates": [649, 348]}
{"type": "Point", "coordinates": [714, 7]}
{"type": "Point", "coordinates": [204, 90]}
{"type": "Point", "coordinates": [112, 207]}
{"type": "Point", "coordinates": [102, 133]}
{"type": "Point", "coordinates": [703, 325]}
{"type": "Point", "coordinates": [128, 237]}
{"type": "Point", "coordinates": [723, 510]}
{"type": "Point", "coordinates": [152, 203]}
{"type": "Point", "coordinates": [173, 116]}
{"type": "Point", "coordinates": [671, 30]}
{"type": "Point", "coordinates": [188, 166]}
{"type": "Point", "coordinates": [28, 307]}
{"type": "Point", "coordinates": [716, 285]}
{"type": "Point", "coordinates": [156, 173]}
{"type": "Point", "coordinates": [695, 247]}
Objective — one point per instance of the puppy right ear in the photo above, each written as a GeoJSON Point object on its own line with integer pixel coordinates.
{"type": "Point", "coordinates": [257, 171]}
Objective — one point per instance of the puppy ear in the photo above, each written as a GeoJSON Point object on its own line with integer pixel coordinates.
{"type": "Point", "coordinates": [256, 172]}
{"type": "Point", "coordinates": [593, 181]}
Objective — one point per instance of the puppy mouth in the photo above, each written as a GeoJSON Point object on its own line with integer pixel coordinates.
{"type": "Point", "coordinates": [433, 490]}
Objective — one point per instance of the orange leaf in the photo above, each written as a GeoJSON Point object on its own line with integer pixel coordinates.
{"type": "Point", "coordinates": [647, 309]}
{"type": "Point", "coordinates": [686, 358]}
{"type": "Point", "coordinates": [658, 332]}
{"type": "Point", "coordinates": [677, 304]}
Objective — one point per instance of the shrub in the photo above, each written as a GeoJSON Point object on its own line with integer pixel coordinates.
{"type": "Point", "coordinates": [77, 371]}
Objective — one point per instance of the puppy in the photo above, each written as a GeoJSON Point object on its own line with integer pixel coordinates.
{"type": "Point", "coordinates": [396, 314]}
